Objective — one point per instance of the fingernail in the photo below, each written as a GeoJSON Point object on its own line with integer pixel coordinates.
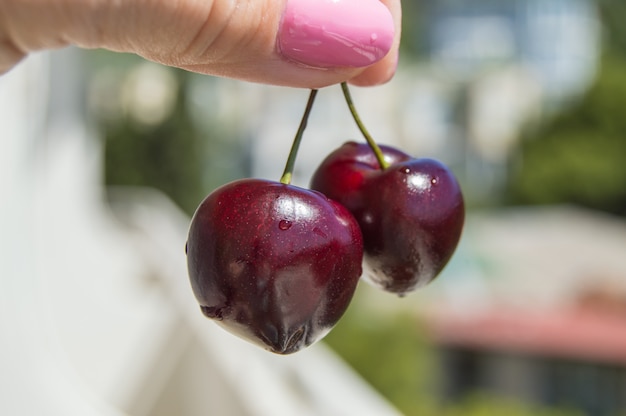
{"type": "Point", "coordinates": [335, 33]}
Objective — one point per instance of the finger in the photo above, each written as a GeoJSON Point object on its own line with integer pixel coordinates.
{"type": "Point", "coordinates": [304, 43]}
{"type": "Point", "coordinates": [385, 69]}
{"type": "Point", "coordinates": [9, 56]}
{"type": "Point", "coordinates": [310, 43]}
{"type": "Point", "coordinates": [301, 43]}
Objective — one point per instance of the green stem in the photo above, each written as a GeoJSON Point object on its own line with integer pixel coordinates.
{"type": "Point", "coordinates": [291, 159]}
{"type": "Point", "coordinates": [368, 137]}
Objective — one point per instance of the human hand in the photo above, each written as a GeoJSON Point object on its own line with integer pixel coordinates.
{"type": "Point", "coordinates": [299, 43]}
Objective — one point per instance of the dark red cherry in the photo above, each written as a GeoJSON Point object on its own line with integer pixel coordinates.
{"type": "Point", "coordinates": [272, 263]}
{"type": "Point", "coordinates": [411, 213]}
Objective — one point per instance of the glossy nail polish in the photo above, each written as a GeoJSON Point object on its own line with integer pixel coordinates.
{"type": "Point", "coordinates": [335, 33]}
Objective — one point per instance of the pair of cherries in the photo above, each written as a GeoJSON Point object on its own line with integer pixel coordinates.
{"type": "Point", "coordinates": [278, 265]}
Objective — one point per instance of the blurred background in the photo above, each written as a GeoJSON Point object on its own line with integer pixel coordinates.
{"type": "Point", "coordinates": [104, 158]}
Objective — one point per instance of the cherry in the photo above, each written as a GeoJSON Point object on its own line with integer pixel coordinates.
{"type": "Point", "coordinates": [411, 213]}
{"type": "Point", "coordinates": [273, 263]}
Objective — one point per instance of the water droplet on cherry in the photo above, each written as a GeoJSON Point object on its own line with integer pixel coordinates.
{"type": "Point", "coordinates": [284, 225]}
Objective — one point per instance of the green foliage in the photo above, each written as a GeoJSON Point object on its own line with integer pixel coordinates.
{"type": "Point", "coordinates": [482, 404]}
{"type": "Point", "coordinates": [392, 352]}
{"type": "Point", "coordinates": [185, 154]}
{"type": "Point", "coordinates": [165, 156]}
{"type": "Point", "coordinates": [414, 14]}
{"type": "Point", "coordinates": [612, 14]}
{"type": "Point", "coordinates": [578, 157]}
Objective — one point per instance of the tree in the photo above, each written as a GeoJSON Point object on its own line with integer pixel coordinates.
{"type": "Point", "coordinates": [579, 155]}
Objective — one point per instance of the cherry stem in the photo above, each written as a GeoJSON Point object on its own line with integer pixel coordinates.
{"type": "Point", "coordinates": [368, 137]}
{"type": "Point", "coordinates": [291, 159]}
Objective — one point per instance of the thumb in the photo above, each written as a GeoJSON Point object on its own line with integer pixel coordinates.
{"type": "Point", "coordinates": [301, 43]}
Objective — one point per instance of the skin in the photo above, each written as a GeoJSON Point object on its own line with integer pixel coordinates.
{"type": "Point", "coordinates": [227, 38]}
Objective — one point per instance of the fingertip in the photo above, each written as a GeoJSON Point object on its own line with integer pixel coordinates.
{"type": "Point", "coordinates": [322, 33]}
{"type": "Point", "coordinates": [10, 56]}
{"type": "Point", "coordinates": [379, 73]}
{"type": "Point", "coordinates": [384, 70]}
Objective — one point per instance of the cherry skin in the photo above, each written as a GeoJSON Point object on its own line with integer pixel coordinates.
{"type": "Point", "coordinates": [411, 214]}
{"type": "Point", "coordinates": [272, 263]}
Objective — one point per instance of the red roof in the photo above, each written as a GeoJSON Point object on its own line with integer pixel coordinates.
{"type": "Point", "coordinates": [580, 333]}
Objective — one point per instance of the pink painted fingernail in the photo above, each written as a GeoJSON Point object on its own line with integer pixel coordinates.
{"type": "Point", "coordinates": [335, 33]}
